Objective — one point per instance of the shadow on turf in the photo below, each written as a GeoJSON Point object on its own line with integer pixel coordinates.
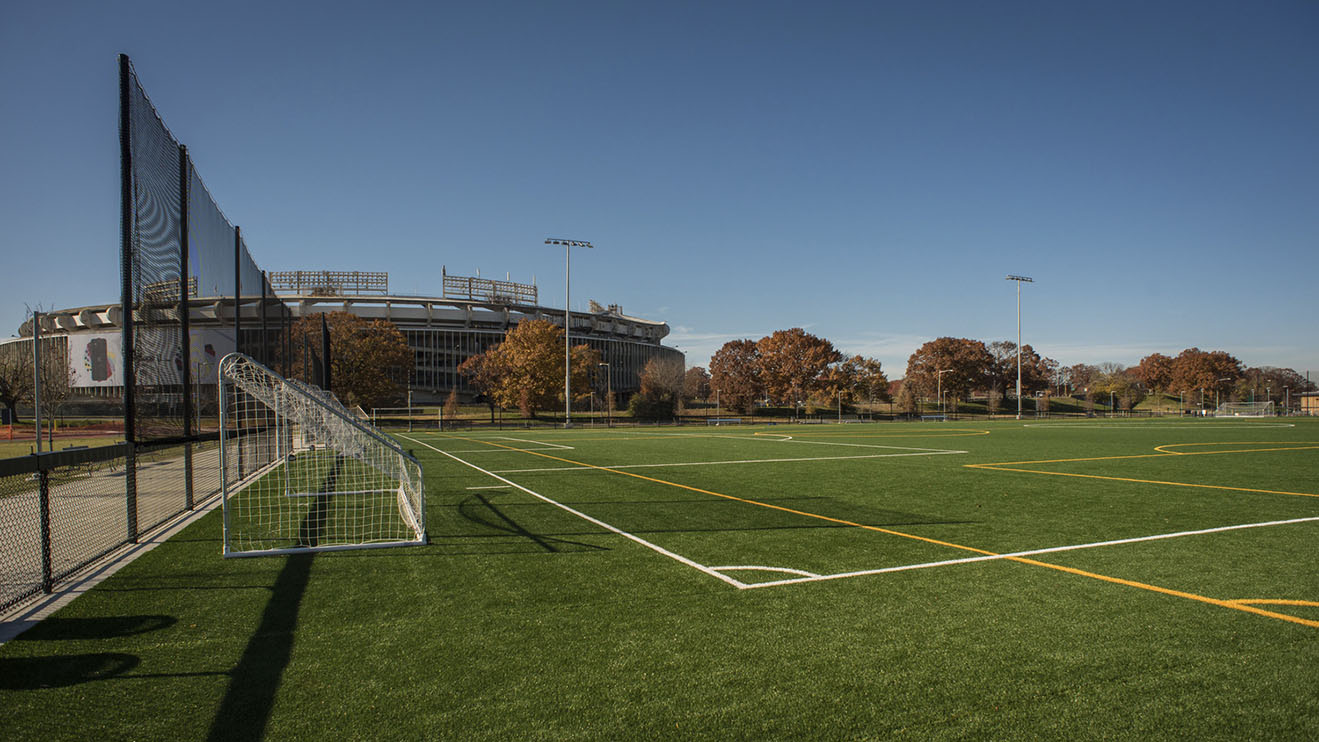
{"type": "Point", "coordinates": [34, 673]}
{"type": "Point", "coordinates": [474, 513]}
{"type": "Point", "coordinates": [245, 709]}
{"type": "Point", "coordinates": [695, 518]}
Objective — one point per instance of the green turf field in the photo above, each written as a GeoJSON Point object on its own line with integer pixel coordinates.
{"type": "Point", "coordinates": [1069, 580]}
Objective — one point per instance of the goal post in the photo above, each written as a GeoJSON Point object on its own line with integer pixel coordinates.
{"type": "Point", "coordinates": [1245, 409]}
{"type": "Point", "coordinates": [299, 472]}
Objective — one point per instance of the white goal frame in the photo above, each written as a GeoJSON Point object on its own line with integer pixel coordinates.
{"type": "Point", "coordinates": [1245, 409]}
{"type": "Point", "coordinates": [299, 473]}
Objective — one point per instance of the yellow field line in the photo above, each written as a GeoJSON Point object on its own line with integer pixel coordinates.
{"type": "Point", "coordinates": [1237, 605]}
{"type": "Point", "coordinates": [1010, 466]}
{"type": "Point", "coordinates": [1278, 601]}
{"type": "Point", "coordinates": [989, 467]}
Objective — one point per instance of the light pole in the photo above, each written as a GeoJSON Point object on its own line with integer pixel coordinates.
{"type": "Point", "coordinates": [1216, 402]}
{"type": "Point", "coordinates": [1020, 280]}
{"type": "Point", "coordinates": [1287, 405]}
{"type": "Point", "coordinates": [568, 245]}
{"type": "Point", "coordinates": [716, 404]}
{"type": "Point", "coordinates": [609, 395]}
{"type": "Point", "coordinates": [940, 388]}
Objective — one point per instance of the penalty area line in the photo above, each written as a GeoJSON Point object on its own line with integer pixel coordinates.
{"type": "Point", "coordinates": [612, 529]}
{"type": "Point", "coordinates": [1032, 552]}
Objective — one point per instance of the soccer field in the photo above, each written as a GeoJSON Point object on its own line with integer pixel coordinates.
{"type": "Point", "coordinates": [1143, 579]}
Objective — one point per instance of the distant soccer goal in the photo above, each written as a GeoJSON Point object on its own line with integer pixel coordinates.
{"type": "Point", "coordinates": [1245, 409]}
{"type": "Point", "coordinates": [301, 473]}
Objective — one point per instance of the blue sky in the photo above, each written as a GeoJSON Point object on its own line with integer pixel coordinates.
{"type": "Point", "coordinates": [868, 171]}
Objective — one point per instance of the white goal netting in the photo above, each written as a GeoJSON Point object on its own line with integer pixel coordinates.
{"type": "Point", "coordinates": [300, 473]}
{"type": "Point", "coordinates": [1245, 409]}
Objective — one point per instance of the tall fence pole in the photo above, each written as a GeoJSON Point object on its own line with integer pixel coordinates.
{"type": "Point", "coordinates": [127, 213]}
{"type": "Point", "coordinates": [185, 182]}
{"type": "Point", "coordinates": [36, 374]}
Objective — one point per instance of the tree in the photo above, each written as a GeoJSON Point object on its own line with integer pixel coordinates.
{"type": "Point", "coordinates": [906, 398]}
{"type": "Point", "coordinates": [483, 376]}
{"type": "Point", "coordinates": [735, 373]}
{"type": "Point", "coordinates": [696, 384]}
{"type": "Point", "coordinates": [872, 384]}
{"type": "Point", "coordinates": [1081, 377]}
{"type": "Point", "coordinates": [1195, 369]}
{"type": "Point", "coordinates": [661, 386]}
{"type": "Point", "coordinates": [968, 363]}
{"type": "Point", "coordinates": [369, 359]}
{"type": "Point", "coordinates": [792, 361]}
{"type": "Point", "coordinates": [1036, 371]}
{"type": "Point", "coordinates": [15, 375]}
{"type": "Point", "coordinates": [525, 370]}
{"type": "Point", "coordinates": [1155, 372]}
{"type": "Point", "coordinates": [56, 377]}
{"type": "Point", "coordinates": [450, 405]}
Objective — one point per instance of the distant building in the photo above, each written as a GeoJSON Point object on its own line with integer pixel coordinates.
{"type": "Point", "coordinates": [471, 315]}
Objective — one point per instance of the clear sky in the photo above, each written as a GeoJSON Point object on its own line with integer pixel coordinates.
{"type": "Point", "coordinates": [869, 171]}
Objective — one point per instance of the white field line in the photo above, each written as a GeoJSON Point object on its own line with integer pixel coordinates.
{"type": "Point", "coordinates": [760, 568]}
{"type": "Point", "coordinates": [1203, 425]}
{"type": "Point", "coordinates": [790, 439]}
{"type": "Point", "coordinates": [612, 529]}
{"type": "Point", "coordinates": [491, 487]}
{"type": "Point", "coordinates": [932, 452]}
{"type": "Point", "coordinates": [1032, 552]}
{"type": "Point", "coordinates": [506, 450]}
{"type": "Point", "coordinates": [547, 446]}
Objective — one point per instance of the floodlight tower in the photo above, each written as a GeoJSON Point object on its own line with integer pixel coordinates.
{"type": "Point", "coordinates": [1020, 280]}
{"type": "Point", "coordinates": [568, 245]}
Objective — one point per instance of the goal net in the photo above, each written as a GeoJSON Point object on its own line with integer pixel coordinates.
{"type": "Point", "coordinates": [301, 473]}
{"type": "Point", "coordinates": [1245, 409]}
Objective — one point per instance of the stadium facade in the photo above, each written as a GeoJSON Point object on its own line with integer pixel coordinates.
{"type": "Point", "coordinates": [471, 316]}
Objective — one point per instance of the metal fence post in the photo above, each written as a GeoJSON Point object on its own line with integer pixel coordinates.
{"type": "Point", "coordinates": [47, 573]}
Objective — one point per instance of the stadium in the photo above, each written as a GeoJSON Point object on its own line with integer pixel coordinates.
{"type": "Point", "coordinates": [471, 315]}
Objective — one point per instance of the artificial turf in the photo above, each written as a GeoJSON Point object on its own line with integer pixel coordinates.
{"type": "Point", "coordinates": [522, 620]}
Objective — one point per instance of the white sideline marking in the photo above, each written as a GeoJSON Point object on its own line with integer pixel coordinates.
{"type": "Point", "coordinates": [658, 549]}
{"type": "Point", "coordinates": [548, 446]}
{"type": "Point", "coordinates": [1032, 552]}
{"type": "Point", "coordinates": [506, 449]}
{"type": "Point", "coordinates": [1203, 425]}
{"type": "Point", "coordinates": [491, 487]}
{"type": "Point", "coordinates": [759, 568]}
{"type": "Point", "coordinates": [930, 452]}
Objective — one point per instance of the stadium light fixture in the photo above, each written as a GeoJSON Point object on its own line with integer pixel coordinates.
{"type": "Point", "coordinates": [1020, 280]}
{"type": "Point", "coordinates": [568, 245]}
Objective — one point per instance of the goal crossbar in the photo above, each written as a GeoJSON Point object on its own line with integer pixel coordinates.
{"type": "Point", "coordinates": [299, 472]}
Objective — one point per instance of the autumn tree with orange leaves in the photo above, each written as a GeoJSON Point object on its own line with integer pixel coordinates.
{"type": "Point", "coordinates": [369, 359]}
{"type": "Point", "coordinates": [968, 363]}
{"type": "Point", "coordinates": [526, 370]}
{"type": "Point", "coordinates": [735, 374]}
{"type": "Point", "coordinates": [792, 363]}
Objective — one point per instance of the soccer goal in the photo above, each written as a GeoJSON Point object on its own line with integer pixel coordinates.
{"type": "Point", "coordinates": [298, 472]}
{"type": "Point", "coordinates": [1245, 409]}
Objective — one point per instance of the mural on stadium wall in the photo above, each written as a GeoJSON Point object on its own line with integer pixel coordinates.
{"type": "Point", "coordinates": [96, 359]}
